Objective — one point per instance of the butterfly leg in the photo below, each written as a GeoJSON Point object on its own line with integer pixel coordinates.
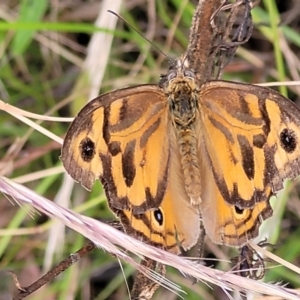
{"type": "Point", "coordinates": [143, 287]}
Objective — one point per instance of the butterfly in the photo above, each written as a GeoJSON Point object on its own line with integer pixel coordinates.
{"type": "Point", "coordinates": [185, 151]}
{"type": "Point", "coordinates": [165, 152]}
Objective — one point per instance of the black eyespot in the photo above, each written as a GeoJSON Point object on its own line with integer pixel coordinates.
{"type": "Point", "coordinates": [238, 210]}
{"type": "Point", "coordinates": [159, 217]}
{"type": "Point", "coordinates": [87, 149]}
{"type": "Point", "coordinates": [288, 140]}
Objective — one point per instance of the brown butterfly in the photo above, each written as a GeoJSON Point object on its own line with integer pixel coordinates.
{"type": "Point", "coordinates": [167, 154]}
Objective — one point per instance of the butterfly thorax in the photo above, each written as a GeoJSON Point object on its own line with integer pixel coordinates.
{"type": "Point", "coordinates": [182, 91]}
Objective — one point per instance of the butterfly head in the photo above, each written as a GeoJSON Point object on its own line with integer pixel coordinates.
{"type": "Point", "coordinates": [180, 77]}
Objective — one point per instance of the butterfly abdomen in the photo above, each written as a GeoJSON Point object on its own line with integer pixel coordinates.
{"type": "Point", "coordinates": [190, 164]}
{"type": "Point", "coordinates": [182, 91]}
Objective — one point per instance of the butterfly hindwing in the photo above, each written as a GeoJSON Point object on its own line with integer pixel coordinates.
{"type": "Point", "coordinates": [173, 226]}
{"type": "Point", "coordinates": [227, 224]}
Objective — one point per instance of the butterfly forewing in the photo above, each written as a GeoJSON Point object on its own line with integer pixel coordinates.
{"type": "Point", "coordinates": [127, 147]}
{"type": "Point", "coordinates": [251, 145]}
{"type": "Point", "coordinates": [252, 140]}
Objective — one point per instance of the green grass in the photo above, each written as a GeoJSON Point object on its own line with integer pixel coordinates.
{"type": "Point", "coordinates": [43, 49]}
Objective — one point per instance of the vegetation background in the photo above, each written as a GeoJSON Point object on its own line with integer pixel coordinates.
{"type": "Point", "coordinates": [46, 68]}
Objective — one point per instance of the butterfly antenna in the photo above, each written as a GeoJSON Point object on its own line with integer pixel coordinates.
{"type": "Point", "coordinates": [129, 25]}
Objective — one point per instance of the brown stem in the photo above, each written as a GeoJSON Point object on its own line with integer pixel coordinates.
{"type": "Point", "coordinates": [61, 267]}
